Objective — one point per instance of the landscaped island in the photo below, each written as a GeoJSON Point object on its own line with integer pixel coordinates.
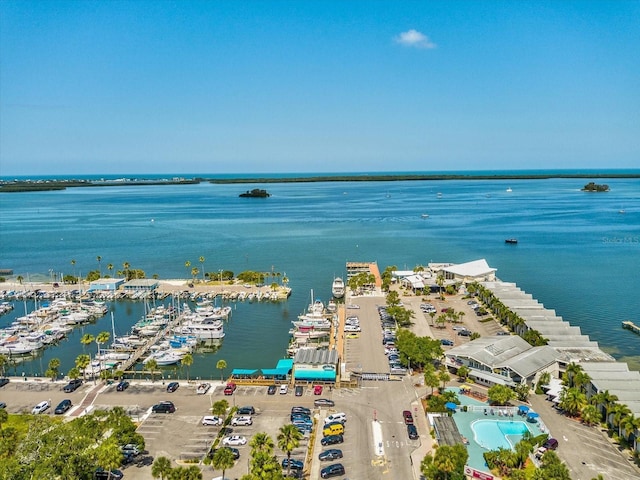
{"type": "Point", "coordinates": [255, 193]}
{"type": "Point", "coordinates": [594, 187]}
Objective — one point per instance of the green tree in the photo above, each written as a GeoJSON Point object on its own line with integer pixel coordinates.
{"type": "Point", "coordinates": [185, 473]}
{"type": "Point", "coordinates": [447, 463]}
{"type": "Point", "coordinates": [161, 468]}
{"type": "Point", "coordinates": [3, 364]}
{"type": "Point", "coordinates": [86, 339]}
{"type": "Point", "coordinates": [110, 268]}
{"type": "Point", "coordinates": [431, 378]}
{"type": "Point", "coordinates": [288, 440]}
{"type": "Point", "coordinates": [222, 460]}
{"type": "Point", "coordinates": [187, 361]}
{"type": "Point", "coordinates": [500, 394]}
{"type": "Point", "coordinates": [109, 455]}
{"type": "Point", "coordinates": [221, 365]}
{"type": "Point", "coordinates": [99, 258]}
{"type": "Point", "coordinates": [522, 391]}
{"type": "Point", "coordinates": [590, 415]}
{"type": "Point", "coordinates": [82, 362]}
{"type": "Point", "coordinates": [53, 370]}
{"type": "Point", "coordinates": [444, 377]}
{"type": "Point", "coordinates": [220, 408]}
{"type": "Point", "coordinates": [261, 442]}
{"type": "Point", "coordinates": [201, 260]}
{"type": "Point", "coordinates": [151, 366]}
{"type": "Point", "coordinates": [572, 401]}
{"type": "Point", "coordinates": [463, 373]}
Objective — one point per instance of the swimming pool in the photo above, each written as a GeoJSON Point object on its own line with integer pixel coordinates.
{"type": "Point", "coordinates": [493, 434]}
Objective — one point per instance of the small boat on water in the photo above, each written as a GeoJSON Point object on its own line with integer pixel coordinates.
{"type": "Point", "coordinates": [425, 215]}
{"type": "Point", "coordinates": [511, 241]}
{"type": "Point", "coordinates": [337, 288]}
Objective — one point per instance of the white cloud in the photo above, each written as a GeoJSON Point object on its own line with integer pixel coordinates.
{"type": "Point", "coordinates": [414, 38]}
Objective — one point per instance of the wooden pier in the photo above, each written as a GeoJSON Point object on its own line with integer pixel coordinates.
{"type": "Point", "coordinates": [629, 325]}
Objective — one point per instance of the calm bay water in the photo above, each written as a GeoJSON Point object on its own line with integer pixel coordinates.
{"type": "Point", "coordinates": [576, 253]}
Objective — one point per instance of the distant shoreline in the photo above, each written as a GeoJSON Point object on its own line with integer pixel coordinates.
{"type": "Point", "coordinates": [62, 184]}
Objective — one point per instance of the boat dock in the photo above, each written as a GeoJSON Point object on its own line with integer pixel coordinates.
{"type": "Point", "coordinates": [629, 325]}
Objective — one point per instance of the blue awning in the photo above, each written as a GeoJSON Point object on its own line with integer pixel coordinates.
{"type": "Point", "coordinates": [275, 372]}
{"type": "Point", "coordinates": [285, 363]}
{"type": "Point", "coordinates": [327, 375]}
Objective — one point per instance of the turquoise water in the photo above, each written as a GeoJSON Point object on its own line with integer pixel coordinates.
{"type": "Point", "coordinates": [576, 253]}
{"type": "Point", "coordinates": [494, 434]}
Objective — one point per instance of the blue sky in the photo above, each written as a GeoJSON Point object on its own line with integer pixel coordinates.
{"type": "Point", "coordinates": [317, 86]}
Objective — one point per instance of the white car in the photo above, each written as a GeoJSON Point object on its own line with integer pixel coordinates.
{"type": "Point", "coordinates": [352, 328]}
{"type": "Point", "coordinates": [284, 389]}
{"type": "Point", "coordinates": [212, 420]}
{"type": "Point", "coordinates": [234, 441]}
{"type": "Point", "coordinates": [236, 421]}
{"type": "Point", "coordinates": [41, 407]}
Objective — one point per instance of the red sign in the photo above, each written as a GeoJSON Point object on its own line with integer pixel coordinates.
{"type": "Point", "coordinates": [472, 472]}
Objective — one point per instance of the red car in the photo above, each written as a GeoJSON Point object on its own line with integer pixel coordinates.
{"type": "Point", "coordinates": [317, 390]}
{"type": "Point", "coordinates": [408, 418]}
{"type": "Point", "coordinates": [230, 388]}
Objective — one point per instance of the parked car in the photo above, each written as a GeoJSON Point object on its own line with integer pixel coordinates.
{"type": "Point", "coordinates": [332, 440]}
{"type": "Point", "coordinates": [334, 470]}
{"type": "Point", "coordinates": [100, 474]}
{"type": "Point", "coordinates": [248, 410]}
{"type": "Point", "coordinates": [304, 410]}
{"type": "Point", "coordinates": [122, 386]}
{"type": "Point", "coordinates": [234, 440]}
{"type": "Point", "coordinates": [41, 407]}
{"type": "Point", "coordinates": [352, 335]}
{"type": "Point", "coordinates": [412, 431]}
{"type": "Point", "coordinates": [163, 407]}
{"type": "Point", "coordinates": [63, 406]}
{"type": "Point", "coordinates": [131, 449]}
{"type": "Point", "coordinates": [284, 389]}
{"type": "Point", "coordinates": [299, 391]}
{"type": "Point", "coordinates": [336, 417]}
{"type": "Point", "coordinates": [172, 387]}
{"type": "Point", "coordinates": [408, 418]}
{"type": "Point", "coordinates": [293, 464]}
{"type": "Point", "coordinates": [464, 333]}
{"type": "Point", "coordinates": [230, 388]}
{"type": "Point", "coordinates": [271, 390]}
{"type": "Point", "coordinates": [317, 390]}
{"type": "Point", "coordinates": [3, 381]}
{"type": "Point", "coordinates": [3, 405]}
{"type": "Point", "coordinates": [323, 402]}
{"type": "Point", "coordinates": [212, 420]}
{"type": "Point", "coordinates": [73, 385]}
{"type": "Point", "coordinates": [447, 342]}
{"type": "Point", "coordinates": [331, 454]}
{"type": "Point", "coordinates": [237, 421]}
{"type": "Point", "coordinates": [550, 444]}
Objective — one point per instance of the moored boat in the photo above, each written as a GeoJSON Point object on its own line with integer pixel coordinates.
{"type": "Point", "coordinates": [337, 288]}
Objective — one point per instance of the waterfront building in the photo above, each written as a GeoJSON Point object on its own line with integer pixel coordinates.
{"type": "Point", "coordinates": [315, 365]}
{"type": "Point", "coordinates": [106, 284]}
{"type": "Point", "coordinates": [143, 284]}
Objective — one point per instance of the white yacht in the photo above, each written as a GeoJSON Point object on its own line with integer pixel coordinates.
{"type": "Point", "coordinates": [337, 289]}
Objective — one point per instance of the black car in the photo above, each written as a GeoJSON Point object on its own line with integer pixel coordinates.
{"type": "Point", "coordinates": [299, 391]}
{"type": "Point", "coordinates": [332, 470]}
{"type": "Point", "coordinates": [271, 390]}
{"type": "Point", "coordinates": [122, 386]}
{"type": "Point", "coordinates": [163, 407]}
{"type": "Point", "coordinates": [412, 431]}
{"type": "Point", "coordinates": [246, 411]}
{"type": "Point", "coordinates": [332, 440]}
{"type": "Point", "coordinates": [330, 454]}
{"type": "Point", "coordinates": [324, 402]}
{"type": "Point", "coordinates": [303, 410]}
{"type": "Point", "coordinates": [63, 406]}
{"type": "Point", "coordinates": [72, 386]}
{"type": "Point", "coordinates": [172, 387]}
{"type": "Point", "coordinates": [464, 333]}
{"type": "Point", "coordinates": [295, 464]}
{"type": "Point", "coordinates": [102, 475]}
{"type": "Point", "coordinates": [3, 381]}
{"type": "Point", "coordinates": [235, 451]}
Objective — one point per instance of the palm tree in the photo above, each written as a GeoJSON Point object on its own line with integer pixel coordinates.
{"type": "Point", "coordinates": [590, 414]}
{"type": "Point", "coordinates": [187, 265]}
{"type": "Point", "coordinates": [4, 416]}
{"type": "Point", "coordinates": [187, 361]}
{"type": "Point", "coordinates": [99, 258]}
{"type": "Point", "coordinates": [86, 339]}
{"type": "Point", "coordinates": [161, 468]}
{"type": "Point", "coordinates": [288, 440]}
{"type": "Point", "coordinates": [151, 366]}
{"type": "Point", "coordinates": [110, 268]}
{"type": "Point", "coordinates": [194, 273]}
{"type": "Point", "coordinates": [201, 260]}
{"type": "Point", "coordinates": [82, 362]}
{"type": "Point", "coordinates": [109, 455]}
{"type": "Point", "coordinates": [572, 401]}
{"type": "Point", "coordinates": [20, 278]}
{"type": "Point", "coordinates": [219, 408]}
{"type": "Point", "coordinates": [125, 270]}
{"type": "Point", "coordinates": [222, 460]}
{"type": "Point", "coordinates": [221, 365]}
{"type": "Point", "coordinates": [101, 339]}
{"type": "Point", "coordinates": [52, 371]}
{"type": "Point", "coordinates": [444, 377]}
{"type": "Point", "coordinates": [261, 442]}
{"type": "Point", "coordinates": [631, 424]}
{"type": "Point", "coordinates": [73, 264]}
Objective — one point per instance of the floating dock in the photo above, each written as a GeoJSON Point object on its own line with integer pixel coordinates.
{"type": "Point", "coordinates": [629, 325]}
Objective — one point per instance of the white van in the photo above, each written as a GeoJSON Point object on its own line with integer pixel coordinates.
{"type": "Point", "coordinates": [336, 417]}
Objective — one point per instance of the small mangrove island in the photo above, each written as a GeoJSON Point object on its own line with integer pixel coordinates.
{"type": "Point", "coordinates": [256, 193]}
{"type": "Point", "coordinates": [595, 187]}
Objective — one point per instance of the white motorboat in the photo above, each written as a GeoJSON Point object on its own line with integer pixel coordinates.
{"type": "Point", "coordinates": [337, 288]}
{"type": "Point", "coordinates": [202, 329]}
{"type": "Point", "coordinates": [164, 358]}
